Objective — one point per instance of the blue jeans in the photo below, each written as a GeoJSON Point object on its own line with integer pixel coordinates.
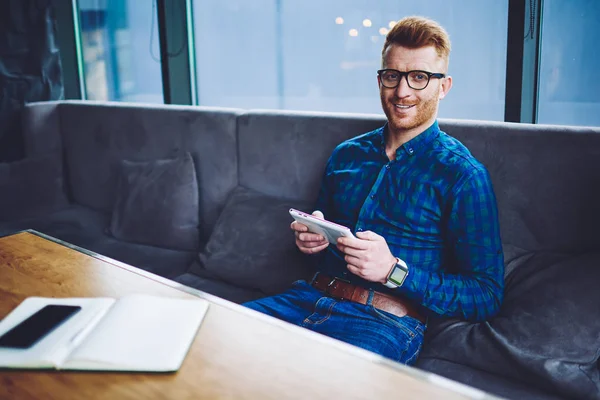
{"type": "Point", "coordinates": [398, 338]}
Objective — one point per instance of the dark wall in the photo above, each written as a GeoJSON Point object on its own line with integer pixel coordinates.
{"type": "Point", "coordinates": [30, 67]}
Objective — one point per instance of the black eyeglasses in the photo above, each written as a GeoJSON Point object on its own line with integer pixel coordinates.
{"type": "Point", "coordinates": [418, 80]}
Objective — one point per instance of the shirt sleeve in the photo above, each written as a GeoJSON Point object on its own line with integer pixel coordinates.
{"type": "Point", "coordinates": [474, 290]}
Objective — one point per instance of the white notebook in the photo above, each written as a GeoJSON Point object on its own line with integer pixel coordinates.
{"type": "Point", "coordinates": [134, 333]}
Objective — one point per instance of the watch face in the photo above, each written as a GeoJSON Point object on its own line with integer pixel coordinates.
{"type": "Point", "coordinates": [397, 276]}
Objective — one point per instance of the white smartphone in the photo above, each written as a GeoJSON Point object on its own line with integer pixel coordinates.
{"type": "Point", "coordinates": [330, 230]}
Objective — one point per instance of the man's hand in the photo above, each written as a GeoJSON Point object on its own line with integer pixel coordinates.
{"type": "Point", "coordinates": [368, 256]}
{"type": "Point", "coordinates": [307, 242]}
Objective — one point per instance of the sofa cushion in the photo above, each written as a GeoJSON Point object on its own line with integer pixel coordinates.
{"type": "Point", "coordinates": [547, 333]}
{"type": "Point", "coordinates": [85, 228]}
{"type": "Point", "coordinates": [252, 245]}
{"type": "Point", "coordinates": [76, 225]}
{"type": "Point", "coordinates": [491, 383]}
{"type": "Point", "coordinates": [31, 187]}
{"type": "Point", "coordinates": [219, 288]}
{"type": "Point", "coordinates": [168, 263]}
{"type": "Point", "coordinates": [157, 203]}
{"type": "Point", "coordinates": [97, 135]}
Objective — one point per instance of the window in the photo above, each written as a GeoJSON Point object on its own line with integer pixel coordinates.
{"type": "Point", "coordinates": [569, 88]}
{"type": "Point", "coordinates": [120, 48]}
{"type": "Point", "coordinates": [323, 55]}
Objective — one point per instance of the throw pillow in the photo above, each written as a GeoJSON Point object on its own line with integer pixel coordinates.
{"type": "Point", "coordinates": [157, 203]}
{"type": "Point", "coordinates": [31, 187]}
{"type": "Point", "coordinates": [252, 245]}
{"type": "Point", "coordinates": [547, 333]}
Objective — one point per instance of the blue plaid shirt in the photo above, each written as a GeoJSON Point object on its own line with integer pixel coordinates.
{"type": "Point", "coordinates": [435, 206]}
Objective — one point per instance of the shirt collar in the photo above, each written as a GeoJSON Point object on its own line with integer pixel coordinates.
{"type": "Point", "coordinates": [416, 144]}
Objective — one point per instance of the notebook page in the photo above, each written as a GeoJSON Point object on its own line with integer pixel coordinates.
{"type": "Point", "coordinates": [141, 333]}
{"type": "Point", "coordinates": [49, 351]}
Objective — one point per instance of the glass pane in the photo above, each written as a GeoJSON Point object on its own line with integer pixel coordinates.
{"type": "Point", "coordinates": [120, 50]}
{"type": "Point", "coordinates": [323, 55]}
{"type": "Point", "coordinates": [569, 89]}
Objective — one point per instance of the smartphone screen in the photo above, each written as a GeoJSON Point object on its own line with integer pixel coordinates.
{"type": "Point", "coordinates": [44, 321]}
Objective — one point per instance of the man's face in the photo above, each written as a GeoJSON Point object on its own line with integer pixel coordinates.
{"type": "Point", "coordinates": [411, 111]}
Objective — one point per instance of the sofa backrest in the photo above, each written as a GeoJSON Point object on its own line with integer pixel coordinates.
{"type": "Point", "coordinates": [283, 153]}
{"type": "Point", "coordinates": [546, 179]}
{"type": "Point", "coordinates": [96, 136]}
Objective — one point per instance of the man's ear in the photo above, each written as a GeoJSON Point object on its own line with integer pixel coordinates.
{"type": "Point", "coordinates": [445, 86]}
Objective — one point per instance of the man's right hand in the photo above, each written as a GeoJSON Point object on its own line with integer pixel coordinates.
{"type": "Point", "coordinates": [307, 242]}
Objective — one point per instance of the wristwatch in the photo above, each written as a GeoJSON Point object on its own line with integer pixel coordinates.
{"type": "Point", "coordinates": [397, 275]}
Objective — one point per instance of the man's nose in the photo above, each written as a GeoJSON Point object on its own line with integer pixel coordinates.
{"type": "Point", "coordinates": [403, 90]}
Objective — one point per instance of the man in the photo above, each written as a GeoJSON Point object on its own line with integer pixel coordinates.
{"type": "Point", "coordinates": [423, 211]}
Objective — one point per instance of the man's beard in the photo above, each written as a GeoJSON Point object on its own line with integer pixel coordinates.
{"type": "Point", "coordinates": [425, 111]}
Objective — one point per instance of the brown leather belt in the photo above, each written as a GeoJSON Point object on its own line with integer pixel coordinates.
{"type": "Point", "coordinates": [340, 289]}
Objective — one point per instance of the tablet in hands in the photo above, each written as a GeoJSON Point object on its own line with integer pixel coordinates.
{"type": "Point", "coordinates": [329, 230]}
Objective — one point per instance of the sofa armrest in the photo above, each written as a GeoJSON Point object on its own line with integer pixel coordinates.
{"type": "Point", "coordinates": [41, 128]}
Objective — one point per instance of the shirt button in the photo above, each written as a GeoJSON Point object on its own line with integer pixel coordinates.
{"type": "Point", "coordinates": [372, 196]}
{"type": "Point", "coordinates": [410, 150]}
{"type": "Point", "coordinates": [359, 230]}
{"type": "Point", "coordinates": [387, 166]}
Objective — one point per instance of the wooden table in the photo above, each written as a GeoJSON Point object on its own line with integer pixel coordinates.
{"type": "Point", "coordinates": [238, 353]}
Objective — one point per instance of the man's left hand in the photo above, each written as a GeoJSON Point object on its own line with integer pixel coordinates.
{"type": "Point", "coordinates": [368, 256]}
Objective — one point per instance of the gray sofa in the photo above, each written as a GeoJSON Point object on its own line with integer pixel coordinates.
{"type": "Point", "coordinates": [200, 196]}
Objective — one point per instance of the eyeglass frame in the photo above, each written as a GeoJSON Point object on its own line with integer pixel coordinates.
{"type": "Point", "coordinates": [437, 75]}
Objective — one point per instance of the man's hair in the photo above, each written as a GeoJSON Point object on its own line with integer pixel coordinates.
{"type": "Point", "coordinates": [415, 32]}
